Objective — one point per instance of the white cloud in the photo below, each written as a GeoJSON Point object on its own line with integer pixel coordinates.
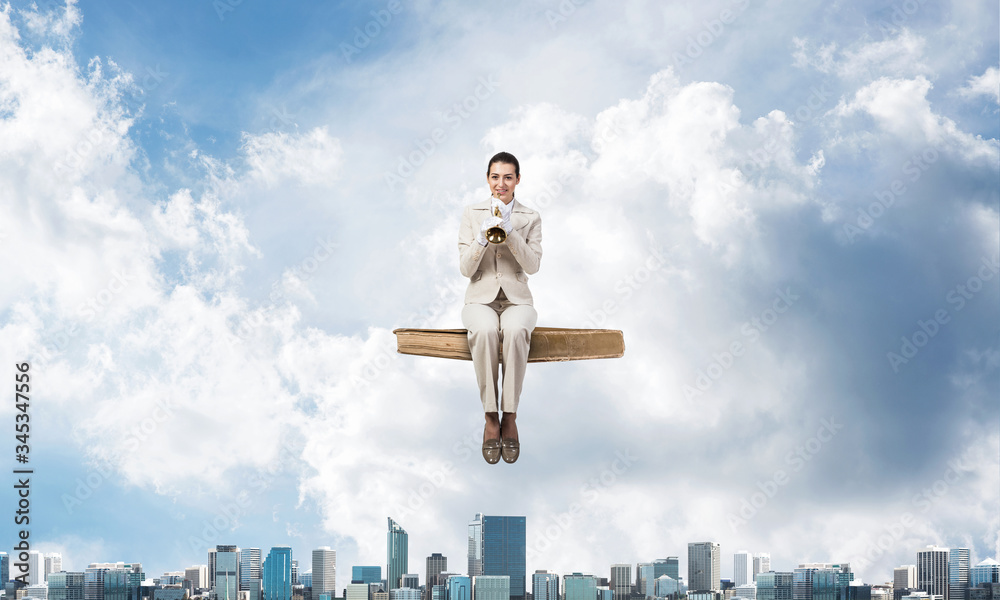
{"type": "Point", "coordinates": [313, 157]}
{"type": "Point", "coordinates": [987, 84]}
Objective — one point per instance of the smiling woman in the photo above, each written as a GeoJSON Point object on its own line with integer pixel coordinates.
{"type": "Point", "coordinates": [498, 304]}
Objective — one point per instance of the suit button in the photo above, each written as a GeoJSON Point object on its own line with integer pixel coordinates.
{"type": "Point", "coordinates": [499, 275]}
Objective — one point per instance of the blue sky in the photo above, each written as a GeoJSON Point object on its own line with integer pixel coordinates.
{"type": "Point", "coordinates": [214, 219]}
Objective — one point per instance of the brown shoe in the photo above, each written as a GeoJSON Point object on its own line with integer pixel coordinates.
{"type": "Point", "coordinates": [492, 451]}
{"type": "Point", "coordinates": [511, 450]}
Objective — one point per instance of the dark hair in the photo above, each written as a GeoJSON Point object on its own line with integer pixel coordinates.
{"type": "Point", "coordinates": [506, 158]}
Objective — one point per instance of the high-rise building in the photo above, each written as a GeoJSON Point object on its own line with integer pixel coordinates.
{"type": "Point", "coordinates": [904, 578]}
{"type": "Point", "coordinates": [476, 546]}
{"type": "Point", "coordinates": [932, 571]}
{"type": "Point", "coordinates": [437, 563]}
{"type": "Point", "coordinates": [356, 591]}
{"type": "Point", "coordinates": [604, 593]}
{"type": "Point", "coordinates": [544, 586]}
{"type": "Point", "coordinates": [747, 591]}
{"type": "Point", "coordinates": [490, 587]}
{"type": "Point", "coordinates": [250, 575]}
{"type": "Point", "coordinates": [410, 581]}
{"type": "Point", "coordinates": [621, 580]}
{"type": "Point", "coordinates": [459, 588]}
{"type": "Point", "coordinates": [742, 568]}
{"type": "Point", "coordinates": [4, 568]}
{"type": "Point", "coordinates": [53, 564]}
{"type": "Point", "coordinates": [645, 579]}
{"type": "Point", "coordinates": [197, 575]}
{"type": "Point", "coordinates": [226, 560]}
{"type": "Point", "coordinates": [504, 552]}
{"type": "Point", "coordinates": [671, 568]}
{"type": "Point", "coordinates": [324, 572]}
{"type": "Point", "coordinates": [704, 567]}
{"type": "Point", "coordinates": [65, 586]}
{"type": "Point", "coordinates": [987, 571]}
{"type": "Point", "coordinates": [761, 563]}
{"type": "Point", "coordinates": [578, 586]}
{"type": "Point", "coordinates": [958, 573]}
{"type": "Point", "coordinates": [36, 567]}
{"type": "Point", "coordinates": [666, 587]}
{"type": "Point", "coordinates": [397, 555]}
{"type": "Point", "coordinates": [276, 572]}
{"type": "Point", "coordinates": [773, 585]}
{"type": "Point", "coordinates": [366, 574]}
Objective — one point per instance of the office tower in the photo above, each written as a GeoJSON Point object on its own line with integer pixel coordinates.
{"type": "Point", "coordinates": [666, 587]}
{"type": "Point", "coordinates": [490, 587]}
{"type": "Point", "coordinates": [904, 578]}
{"type": "Point", "coordinates": [459, 588]}
{"type": "Point", "coordinates": [226, 572]}
{"type": "Point", "coordinates": [578, 586]}
{"type": "Point", "coordinates": [197, 575]}
{"type": "Point", "coordinates": [250, 572]}
{"type": "Point", "coordinates": [748, 591]}
{"type": "Point", "coordinates": [53, 564]}
{"type": "Point", "coordinates": [742, 568]}
{"type": "Point", "coordinates": [504, 550]}
{"type": "Point", "coordinates": [324, 572]}
{"type": "Point", "coordinates": [276, 574]}
{"type": "Point", "coordinates": [366, 574]}
{"type": "Point", "coordinates": [437, 563]}
{"type": "Point", "coordinates": [932, 571]}
{"type": "Point", "coordinates": [704, 567]}
{"type": "Point", "coordinates": [356, 591]}
{"type": "Point", "coordinates": [773, 585]}
{"type": "Point", "coordinates": [404, 593]}
{"type": "Point", "coordinates": [761, 563]}
{"type": "Point", "coordinates": [4, 568]}
{"type": "Point", "coordinates": [65, 586]}
{"type": "Point", "coordinates": [987, 571]}
{"type": "Point", "coordinates": [397, 555]}
{"type": "Point", "coordinates": [671, 568]}
{"type": "Point", "coordinates": [958, 573]}
{"type": "Point", "coordinates": [544, 586]}
{"type": "Point", "coordinates": [439, 592]}
{"type": "Point", "coordinates": [645, 579]}
{"type": "Point", "coordinates": [621, 580]}
{"type": "Point", "coordinates": [821, 581]}
{"type": "Point", "coordinates": [604, 593]}
{"type": "Point", "coordinates": [36, 567]}
{"type": "Point", "coordinates": [476, 546]}
{"type": "Point", "coordinates": [410, 581]}
{"type": "Point", "coordinates": [295, 571]}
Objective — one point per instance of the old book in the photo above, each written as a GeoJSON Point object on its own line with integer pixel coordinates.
{"type": "Point", "coordinates": [548, 344]}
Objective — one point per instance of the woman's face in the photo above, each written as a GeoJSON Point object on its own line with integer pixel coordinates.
{"type": "Point", "coordinates": [502, 181]}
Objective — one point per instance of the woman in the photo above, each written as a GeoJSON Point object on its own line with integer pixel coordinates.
{"type": "Point", "coordinates": [498, 303]}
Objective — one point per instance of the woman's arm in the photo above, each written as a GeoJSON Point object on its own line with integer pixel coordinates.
{"type": "Point", "coordinates": [470, 252]}
{"type": "Point", "coordinates": [527, 248]}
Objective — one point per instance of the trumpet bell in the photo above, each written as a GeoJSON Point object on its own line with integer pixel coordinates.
{"type": "Point", "coordinates": [497, 234]}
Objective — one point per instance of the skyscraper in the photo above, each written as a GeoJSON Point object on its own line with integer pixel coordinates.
{"type": "Point", "coordinates": [227, 572]}
{"type": "Point", "coordinates": [437, 563]}
{"type": "Point", "coordinates": [36, 567]}
{"type": "Point", "coordinates": [704, 566]}
{"type": "Point", "coordinates": [250, 576]}
{"type": "Point", "coordinates": [761, 563]}
{"type": "Point", "coordinates": [4, 568]}
{"type": "Point", "coordinates": [476, 546]}
{"type": "Point", "coordinates": [366, 574]}
{"type": "Point", "coordinates": [932, 571]}
{"type": "Point", "coordinates": [987, 571]}
{"type": "Point", "coordinates": [504, 551]}
{"type": "Point", "coordinates": [53, 564]}
{"type": "Point", "coordinates": [276, 572]}
{"type": "Point", "coordinates": [459, 588]}
{"type": "Point", "coordinates": [666, 586]}
{"type": "Point", "coordinates": [197, 575]}
{"type": "Point", "coordinates": [904, 578]}
{"type": "Point", "coordinates": [958, 573]}
{"type": "Point", "coordinates": [491, 587]}
{"type": "Point", "coordinates": [544, 585]}
{"type": "Point", "coordinates": [324, 572]}
{"type": "Point", "coordinates": [409, 581]}
{"type": "Point", "coordinates": [621, 580]}
{"type": "Point", "coordinates": [742, 568]}
{"type": "Point", "coordinates": [774, 586]}
{"type": "Point", "coordinates": [397, 555]}
{"type": "Point", "coordinates": [578, 586]}
{"type": "Point", "coordinates": [65, 586]}
{"type": "Point", "coordinates": [645, 579]}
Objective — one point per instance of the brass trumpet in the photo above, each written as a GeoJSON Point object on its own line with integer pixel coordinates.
{"type": "Point", "coordinates": [496, 234]}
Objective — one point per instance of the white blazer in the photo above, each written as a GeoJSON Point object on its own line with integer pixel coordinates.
{"type": "Point", "coordinates": [500, 266]}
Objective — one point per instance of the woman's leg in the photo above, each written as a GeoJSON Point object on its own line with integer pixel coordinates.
{"type": "Point", "coordinates": [483, 324]}
{"type": "Point", "coordinates": [516, 322]}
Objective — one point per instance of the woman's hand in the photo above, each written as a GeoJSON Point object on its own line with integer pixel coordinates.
{"type": "Point", "coordinates": [488, 222]}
